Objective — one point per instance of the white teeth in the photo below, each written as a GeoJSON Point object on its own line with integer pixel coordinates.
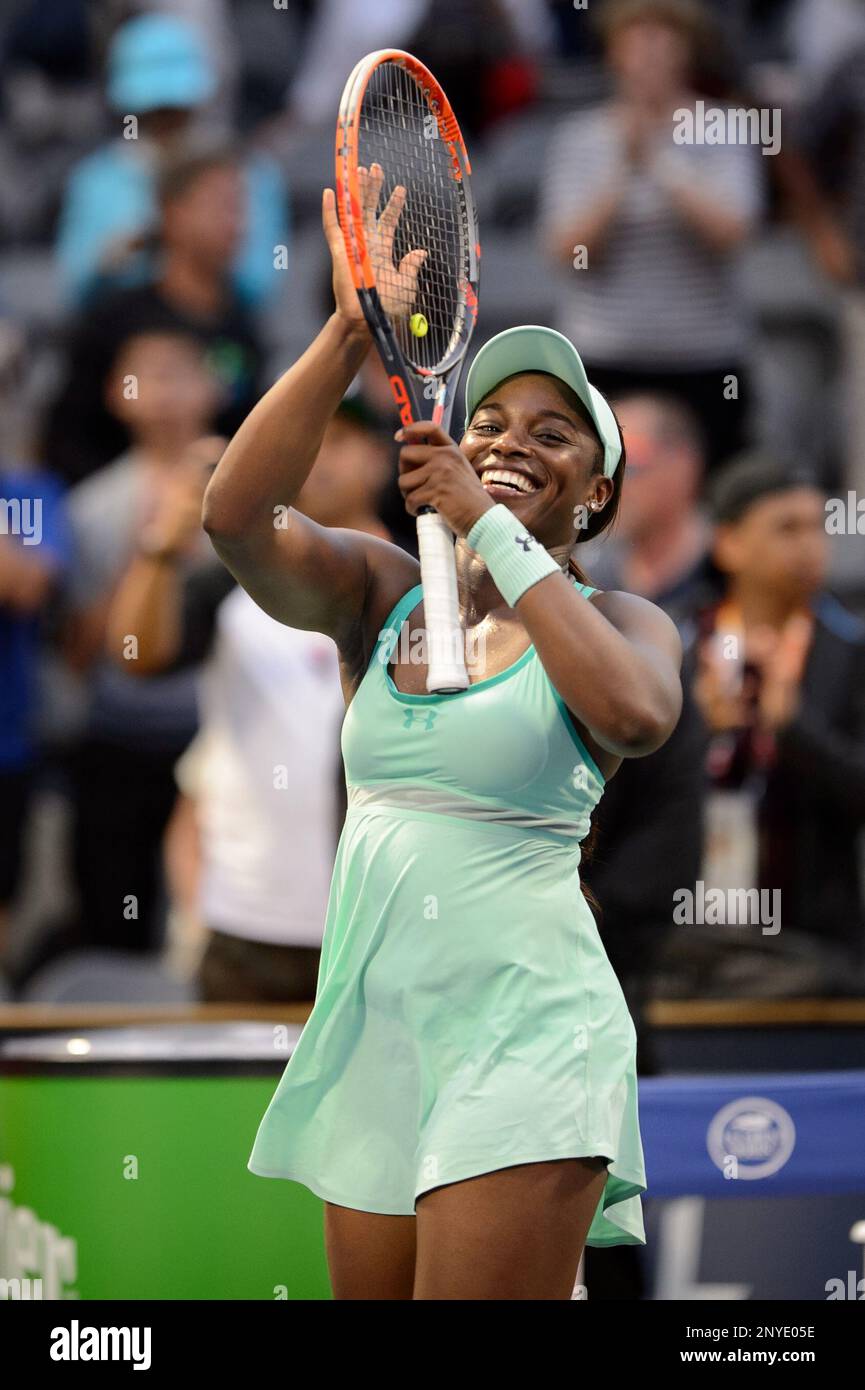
{"type": "Point", "coordinates": [504, 475]}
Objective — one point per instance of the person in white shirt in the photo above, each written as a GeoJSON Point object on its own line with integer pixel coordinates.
{"type": "Point", "coordinates": [256, 825]}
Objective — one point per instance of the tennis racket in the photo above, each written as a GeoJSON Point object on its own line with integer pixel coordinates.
{"type": "Point", "coordinates": [395, 119]}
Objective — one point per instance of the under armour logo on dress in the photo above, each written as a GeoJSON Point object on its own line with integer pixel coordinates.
{"type": "Point", "coordinates": [525, 541]}
{"type": "Point", "coordinates": [426, 720]}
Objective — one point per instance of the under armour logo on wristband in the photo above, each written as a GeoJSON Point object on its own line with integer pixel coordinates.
{"type": "Point", "coordinates": [525, 542]}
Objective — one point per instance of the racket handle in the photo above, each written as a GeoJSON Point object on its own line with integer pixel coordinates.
{"type": "Point", "coordinates": [446, 650]}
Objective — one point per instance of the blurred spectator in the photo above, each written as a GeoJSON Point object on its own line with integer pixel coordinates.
{"type": "Point", "coordinates": [159, 75]}
{"type": "Point", "coordinates": [834, 128]}
{"type": "Point", "coordinates": [574, 38]}
{"type": "Point", "coordinates": [216, 24]}
{"type": "Point", "coordinates": [820, 33]}
{"type": "Point", "coordinates": [122, 772]}
{"type": "Point", "coordinates": [50, 111]}
{"type": "Point", "coordinates": [485, 54]}
{"type": "Point", "coordinates": [340, 33]}
{"type": "Point", "coordinates": [261, 780]}
{"type": "Point", "coordinates": [655, 305]}
{"type": "Point", "coordinates": [658, 549]}
{"type": "Point", "coordinates": [659, 546]}
{"type": "Point", "coordinates": [34, 553]}
{"type": "Point", "coordinates": [268, 47]}
{"type": "Point", "coordinates": [781, 686]}
{"type": "Point", "coordinates": [638, 861]}
{"type": "Point", "coordinates": [16, 408]}
{"type": "Point", "coordinates": [200, 194]}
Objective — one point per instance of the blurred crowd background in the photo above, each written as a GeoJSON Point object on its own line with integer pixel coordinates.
{"type": "Point", "coordinates": [171, 787]}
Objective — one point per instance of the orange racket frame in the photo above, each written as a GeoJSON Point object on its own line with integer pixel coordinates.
{"type": "Point", "coordinates": [401, 373]}
{"type": "Point", "coordinates": [415, 386]}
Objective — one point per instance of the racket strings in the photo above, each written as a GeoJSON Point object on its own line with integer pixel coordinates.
{"type": "Point", "coordinates": [399, 130]}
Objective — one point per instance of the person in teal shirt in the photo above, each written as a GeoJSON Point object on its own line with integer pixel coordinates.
{"type": "Point", "coordinates": [160, 73]}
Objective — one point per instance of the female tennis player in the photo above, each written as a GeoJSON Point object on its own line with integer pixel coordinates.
{"type": "Point", "coordinates": [463, 1096]}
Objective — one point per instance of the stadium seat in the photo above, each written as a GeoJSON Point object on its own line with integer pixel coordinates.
{"type": "Point", "coordinates": [105, 977]}
{"type": "Point", "coordinates": [515, 287]}
{"type": "Point", "coordinates": [30, 288]}
{"type": "Point", "coordinates": [289, 318]}
{"type": "Point", "coordinates": [516, 152]}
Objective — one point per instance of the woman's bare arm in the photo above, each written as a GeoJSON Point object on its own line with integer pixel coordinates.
{"type": "Point", "coordinates": [614, 660]}
{"type": "Point", "coordinates": [303, 574]}
{"type": "Point", "coordinates": [300, 573]}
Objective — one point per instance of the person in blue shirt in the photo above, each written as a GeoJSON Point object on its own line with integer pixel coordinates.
{"type": "Point", "coordinates": [160, 74]}
{"type": "Point", "coordinates": [34, 552]}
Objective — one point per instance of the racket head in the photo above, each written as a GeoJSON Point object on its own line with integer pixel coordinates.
{"type": "Point", "coordinates": [394, 113]}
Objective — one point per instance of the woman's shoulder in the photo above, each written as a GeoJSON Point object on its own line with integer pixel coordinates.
{"type": "Point", "coordinates": [393, 573]}
{"type": "Point", "coordinates": [636, 616]}
{"type": "Point", "coordinates": [626, 601]}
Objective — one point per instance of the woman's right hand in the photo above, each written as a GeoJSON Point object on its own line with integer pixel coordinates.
{"type": "Point", "coordinates": [397, 286]}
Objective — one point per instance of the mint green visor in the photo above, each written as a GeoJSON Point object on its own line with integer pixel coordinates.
{"type": "Point", "coordinates": [531, 348]}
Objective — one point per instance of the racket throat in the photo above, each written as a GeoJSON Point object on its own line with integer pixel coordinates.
{"type": "Point", "coordinates": [439, 404]}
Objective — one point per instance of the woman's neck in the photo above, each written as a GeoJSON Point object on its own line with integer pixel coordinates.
{"type": "Point", "coordinates": [478, 595]}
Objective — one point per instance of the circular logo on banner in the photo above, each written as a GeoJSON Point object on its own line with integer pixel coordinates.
{"type": "Point", "coordinates": [759, 1134]}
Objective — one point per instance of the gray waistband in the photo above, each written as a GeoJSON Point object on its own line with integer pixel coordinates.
{"type": "Point", "coordinates": [402, 796]}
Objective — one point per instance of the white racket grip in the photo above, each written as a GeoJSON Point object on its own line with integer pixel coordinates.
{"type": "Point", "coordinates": [445, 641]}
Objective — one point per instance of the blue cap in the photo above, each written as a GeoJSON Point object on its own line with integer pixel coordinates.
{"type": "Point", "coordinates": [156, 61]}
{"type": "Point", "coordinates": [531, 348]}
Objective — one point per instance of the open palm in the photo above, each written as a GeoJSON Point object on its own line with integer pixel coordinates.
{"type": "Point", "coordinates": [397, 285]}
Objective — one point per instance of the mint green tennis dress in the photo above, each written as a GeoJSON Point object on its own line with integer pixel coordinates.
{"type": "Point", "coordinates": [466, 1016]}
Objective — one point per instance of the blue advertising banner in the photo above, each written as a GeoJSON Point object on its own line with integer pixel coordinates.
{"type": "Point", "coordinates": [761, 1135]}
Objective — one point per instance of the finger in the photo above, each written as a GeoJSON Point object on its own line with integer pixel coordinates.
{"type": "Point", "coordinates": [410, 265]}
{"type": "Point", "coordinates": [412, 477]}
{"type": "Point", "coordinates": [394, 206]}
{"type": "Point", "coordinates": [371, 181]}
{"type": "Point", "coordinates": [421, 497]}
{"type": "Point", "coordinates": [390, 216]}
{"type": "Point", "coordinates": [414, 456]}
{"type": "Point", "coordinates": [423, 430]}
{"type": "Point", "coordinates": [363, 191]}
{"type": "Point", "coordinates": [329, 219]}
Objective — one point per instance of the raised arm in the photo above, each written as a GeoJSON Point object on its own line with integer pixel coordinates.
{"type": "Point", "coordinates": [303, 574]}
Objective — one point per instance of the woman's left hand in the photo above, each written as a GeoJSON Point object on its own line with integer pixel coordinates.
{"type": "Point", "coordinates": [434, 472]}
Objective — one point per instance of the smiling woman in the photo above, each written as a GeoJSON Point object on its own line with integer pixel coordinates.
{"type": "Point", "coordinates": [551, 429]}
{"type": "Point", "coordinates": [464, 1094]}
{"type": "Point", "coordinates": [570, 409]}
